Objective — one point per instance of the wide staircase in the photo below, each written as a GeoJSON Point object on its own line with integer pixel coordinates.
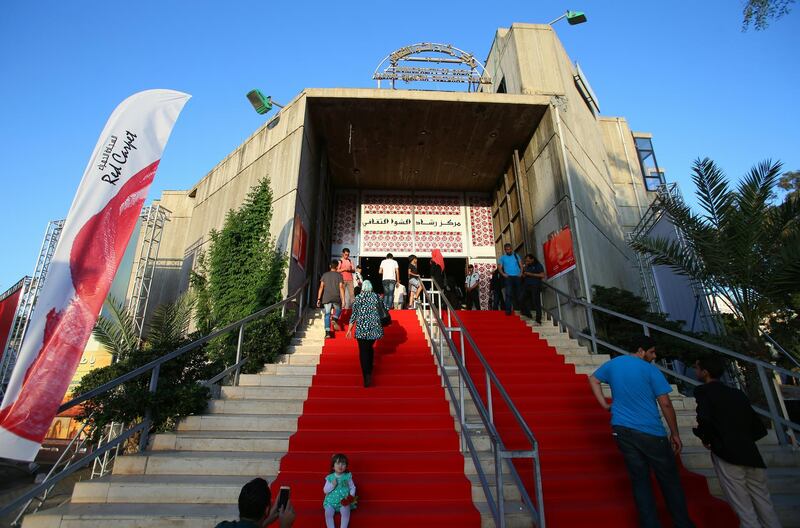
{"type": "Point", "coordinates": [584, 477]}
{"type": "Point", "coordinates": [398, 435]}
{"type": "Point", "coordinates": [284, 424]}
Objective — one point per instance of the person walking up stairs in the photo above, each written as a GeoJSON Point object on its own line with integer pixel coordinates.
{"type": "Point", "coordinates": [583, 473]}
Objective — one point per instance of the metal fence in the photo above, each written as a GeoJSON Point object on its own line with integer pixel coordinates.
{"type": "Point", "coordinates": [785, 429]}
{"type": "Point", "coordinates": [434, 310]}
{"type": "Point", "coordinates": [297, 300]}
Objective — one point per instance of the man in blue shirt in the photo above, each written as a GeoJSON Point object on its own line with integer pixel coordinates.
{"type": "Point", "coordinates": [510, 269]}
{"type": "Point", "coordinates": [636, 386]}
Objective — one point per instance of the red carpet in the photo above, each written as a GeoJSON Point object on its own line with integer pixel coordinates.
{"type": "Point", "coordinates": [584, 476]}
{"type": "Point", "coordinates": [398, 435]}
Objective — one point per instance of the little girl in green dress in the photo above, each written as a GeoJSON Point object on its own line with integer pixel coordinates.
{"type": "Point", "coordinates": [340, 492]}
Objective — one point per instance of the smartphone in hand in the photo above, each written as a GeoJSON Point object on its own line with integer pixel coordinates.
{"type": "Point", "coordinates": [283, 497]}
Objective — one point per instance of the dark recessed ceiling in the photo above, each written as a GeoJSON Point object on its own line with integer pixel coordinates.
{"type": "Point", "coordinates": [418, 144]}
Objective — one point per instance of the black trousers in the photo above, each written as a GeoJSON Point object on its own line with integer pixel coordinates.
{"type": "Point", "coordinates": [366, 355]}
{"type": "Point", "coordinates": [533, 300]}
{"type": "Point", "coordinates": [474, 299]}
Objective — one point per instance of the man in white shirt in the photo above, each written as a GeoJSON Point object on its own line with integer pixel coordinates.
{"type": "Point", "coordinates": [390, 273]}
{"type": "Point", "coordinates": [472, 284]}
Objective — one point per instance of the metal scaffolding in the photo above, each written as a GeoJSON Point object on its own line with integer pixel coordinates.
{"type": "Point", "coordinates": [30, 294]}
{"type": "Point", "coordinates": [705, 304]}
{"type": "Point", "coordinates": [153, 219]}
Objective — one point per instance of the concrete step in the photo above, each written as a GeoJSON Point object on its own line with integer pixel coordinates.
{"type": "Point", "coordinates": [161, 489]}
{"type": "Point", "coordinates": [594, 360]}
{"type": "Point", "coordinates": [268, 380]}
{"type": "Point", "coordinates": [308, 341]}
{"type": "Point", "coordinates": [697, 457]}
{"type": "Point", "coordinates": [199, 463]}
{"type": "Point", "coordinates": [263, 393]}
{"type": "Point", "coordinates": [516, 515]}
{"type": "Point", "coordinates": [559, 340]}
{"type": "Point", "coordinates": [787, 506]}
{"type": "Point", "coordinates": [285, 369]}
{"type": "Point", "coordinates": [132, 515]}
{"type": "Point", "coordinates": [266, 406]}
{"type": "Point", "coordinates": [304, 349]}
{"type": "Point", "coordinates": [781, 480]}
{"type": "Point", "coordinates": [299, 359]}
{"type": "Point", "coordinates": [222, 441]}
{"type": "Point", "coordinates": [510, 491]}
{"type": "Point", "coordinates": [239, 422]}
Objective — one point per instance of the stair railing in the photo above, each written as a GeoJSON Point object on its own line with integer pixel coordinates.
{"type": "Point", "coordinates": [299, 299]}
{"type": "Point", "coordinates": [785, 429]}
{"type": "Point", "coordinates": [433, 309]}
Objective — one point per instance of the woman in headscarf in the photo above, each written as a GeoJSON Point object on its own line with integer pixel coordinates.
{"type": "Point", "coordinates": [368, 328]}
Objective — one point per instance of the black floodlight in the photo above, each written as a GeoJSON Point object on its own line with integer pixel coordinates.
{"type": "Point", "coordinates": [575, 17]}
{"type": "Point", "coordinates": [260, 102]}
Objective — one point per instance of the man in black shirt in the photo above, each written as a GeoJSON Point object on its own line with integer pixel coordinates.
{"type": "Point", "coordinates": [532, 275]}
{"type": "Point", "coordinates": [255, 510]}
{"type": "Point", "coordinates": [729, 427]}
{"type": "Point", "coordinates": [330, 295]}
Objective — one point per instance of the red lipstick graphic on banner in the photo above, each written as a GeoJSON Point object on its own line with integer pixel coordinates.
{"type": "Point", "coordinates": [93, 241]}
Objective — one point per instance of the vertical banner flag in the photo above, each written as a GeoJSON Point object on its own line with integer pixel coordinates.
{"type": "Point", "coordinates": [9, 304]}
{"type": "Point", "coordinates": [96, 232]}
{"type": "Point", "coordinates": [558, 255]}
{"type": "Point", "coordinates": [299, 242]}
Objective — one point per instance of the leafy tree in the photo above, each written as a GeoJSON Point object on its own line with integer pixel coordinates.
{"type": "Point", "coordinates": [790, 182]}
{"type": "Point", "coordinates": [624, 333]}
{"type": "Point", "coordinates": [178, 392]}
{"type": "Point", "coordinates": [742, 247]}
{"type": "Point", "coordinates": [759, 13]}
{"type": "Point", "coordinates": [242, 273]}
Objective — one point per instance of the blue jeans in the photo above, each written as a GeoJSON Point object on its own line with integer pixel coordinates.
{"type": "Point", "coordinates": [336, 308]}
{"type": "Point", "coordinates": [511, 291]}
{"type": "Point", "coordinates": [643, 452]}
{"type": "Point", "coordinates": [388, 293]}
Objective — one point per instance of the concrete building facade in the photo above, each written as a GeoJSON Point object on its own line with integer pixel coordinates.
{"type": "Point", "coordinates": [529, 150]}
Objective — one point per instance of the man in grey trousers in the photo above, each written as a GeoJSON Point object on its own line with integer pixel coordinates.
{"type": "Point", "coordinates": [729, 427]}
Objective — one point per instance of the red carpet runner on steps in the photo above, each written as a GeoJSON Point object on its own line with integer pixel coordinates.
{"type": "Point", "coordinates": [583, 473]}
{"type": "Point", "coordinates": [398, 435]}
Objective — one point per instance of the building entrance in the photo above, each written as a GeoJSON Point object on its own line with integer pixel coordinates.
{"type": "Point", "coordinates": [372, 223]}
{"type": "Point", "coordinates": [455, 273]}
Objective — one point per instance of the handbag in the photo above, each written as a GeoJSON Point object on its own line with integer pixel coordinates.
{"type": "Point", "coordinates": [383, 314]}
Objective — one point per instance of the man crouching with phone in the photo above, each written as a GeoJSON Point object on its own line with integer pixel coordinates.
{"type": "Point", "coordinates": [255, 511]}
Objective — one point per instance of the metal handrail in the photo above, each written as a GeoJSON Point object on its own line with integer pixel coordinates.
{"type": "Point", "coordinates": [776, 411]}
{"type": "Point", "coordinates": [779, 348]}
{"type": "Point", "coordinates": [485, 412]}
{"type": "Point", "coordinates": [154, 367]}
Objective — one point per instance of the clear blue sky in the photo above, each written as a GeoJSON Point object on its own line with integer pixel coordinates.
{"type": "Point", "coordinates": [694, 80]}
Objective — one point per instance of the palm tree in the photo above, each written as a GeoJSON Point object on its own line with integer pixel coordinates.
{"type": "Point", "coordinates": [178, 393]}
{"type": "Point", "coordinates": [116, 331]}
{"type": "Point", "coordinates": [743, 248]}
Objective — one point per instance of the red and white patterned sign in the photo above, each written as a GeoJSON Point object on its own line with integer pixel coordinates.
{"type": "Point", "coordinates": [485, 270]}
{"type": "Point", "coordinates": [387, 241]}
{"type": "Point", "coordinates": [386, 221]}
{"type": "Point", "coordinates": [425, 241]}
{"type": "Point", "coordinates": [480, 221]}
{"type": "Point", "coordinates": [345, 213]}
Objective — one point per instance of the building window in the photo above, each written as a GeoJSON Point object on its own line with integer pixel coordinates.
{"type": "Point", "coordinates": [652, 174]}
{"type": "Point", "coordinates": [501, 88]}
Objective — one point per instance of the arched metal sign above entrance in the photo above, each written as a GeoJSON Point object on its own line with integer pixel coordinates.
{"type": "Point", "coordinates": [466, 68]}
